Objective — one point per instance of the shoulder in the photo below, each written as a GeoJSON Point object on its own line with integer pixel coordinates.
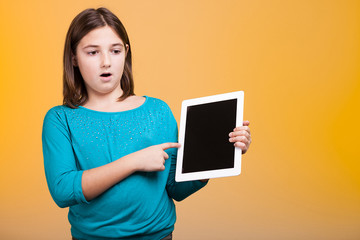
{"type": "Point", "coordinates": [57, 115]}
{"type": "Point", "coordinates": [157, 103]}
{"type": "Point", "coordinates": [161, 110]}
{"type": "Point", "coordinates": [55, 125]}
{"type": "Point", "coordinates": [57, 111]}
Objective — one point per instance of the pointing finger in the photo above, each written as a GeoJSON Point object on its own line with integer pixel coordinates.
{"type": "Point", "coordinates": [168, 145]}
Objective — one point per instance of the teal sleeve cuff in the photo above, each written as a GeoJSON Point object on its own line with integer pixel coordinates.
{"type": "Point", "coordinates": [79, 195]}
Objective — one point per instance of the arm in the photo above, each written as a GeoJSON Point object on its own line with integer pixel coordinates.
{"type": "Point", "coordinates": [97, 180]}
{"type": "Point", "coordinates": [68, 185]}
{"type": "Point", "coordinates": [64, 181]}
{"type": "Point", "coordinates": [240, 136]}
{"type": "Point", "coordinates": [181, 190]}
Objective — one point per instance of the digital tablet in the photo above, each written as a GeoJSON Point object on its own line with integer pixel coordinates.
{"type": "Point", "coordinates": [205, 124]}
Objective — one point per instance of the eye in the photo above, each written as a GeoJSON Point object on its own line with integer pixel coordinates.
{"type": "Point", "coordinates": [92, 53]}
{"type": "Point", "coordinates": [116, 51]}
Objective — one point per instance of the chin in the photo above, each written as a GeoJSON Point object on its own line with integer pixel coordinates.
{"type": "Point", "coordinates": [108, 90]}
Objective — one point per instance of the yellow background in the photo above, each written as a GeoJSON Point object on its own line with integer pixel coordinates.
{"type": "Point", "coordinates": [298, 63]}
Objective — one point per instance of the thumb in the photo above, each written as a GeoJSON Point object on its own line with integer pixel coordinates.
{"type": "Point", "coordinates": [168, 145]}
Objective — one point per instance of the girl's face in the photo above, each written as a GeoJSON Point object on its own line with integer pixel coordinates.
{"type": "Point", "coordinates": [100, 56]}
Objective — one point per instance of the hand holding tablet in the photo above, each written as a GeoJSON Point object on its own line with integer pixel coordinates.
{"type": "Point", "coordinates": [241, 137]}
{"type": "Point", "coordinates": [206, 151]}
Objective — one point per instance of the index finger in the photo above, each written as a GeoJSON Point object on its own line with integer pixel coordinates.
{"type": "Point", "coordinates": [168, 145]}
{"type": "Point", "coordinates": [246, 123]}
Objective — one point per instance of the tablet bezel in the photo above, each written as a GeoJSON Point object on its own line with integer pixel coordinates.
{"type": "Point", "coordinates": [236, 170]}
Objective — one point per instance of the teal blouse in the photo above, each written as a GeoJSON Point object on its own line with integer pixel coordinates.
{"type": "Point", "coordinates": [139, 207]}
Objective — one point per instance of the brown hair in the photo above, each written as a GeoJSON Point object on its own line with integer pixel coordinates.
{"type": "Point", "coordinates": [74, 89]}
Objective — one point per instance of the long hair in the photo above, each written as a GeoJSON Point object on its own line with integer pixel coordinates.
{"type": "Point", "coordinates": [74, 89]}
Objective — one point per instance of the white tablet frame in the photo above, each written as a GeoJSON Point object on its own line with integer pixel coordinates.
{"type": "Point", "coordinates": [180, 177]}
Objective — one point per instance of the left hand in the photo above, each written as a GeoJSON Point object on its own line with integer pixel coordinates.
{"type": "Point", "coordinates": [241, 137]}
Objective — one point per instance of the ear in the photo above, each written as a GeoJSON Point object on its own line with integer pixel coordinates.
{"type": "Point", "coordinates": [74, 60]}
{"type": "Point", "coordinates": [126, 49]}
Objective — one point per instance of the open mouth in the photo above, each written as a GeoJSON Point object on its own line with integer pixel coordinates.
{"type": "Point", "coordinates": [105, 75]}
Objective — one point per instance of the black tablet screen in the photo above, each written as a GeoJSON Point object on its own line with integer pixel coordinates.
{"type": "Point", "coordinates": [206, 143]}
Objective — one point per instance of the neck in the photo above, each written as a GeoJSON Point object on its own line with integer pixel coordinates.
{"type": "Point", "coordinates": [103, 101]}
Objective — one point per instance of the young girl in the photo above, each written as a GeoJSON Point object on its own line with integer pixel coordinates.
{"type": "Point", "coordinates": [110, 155]}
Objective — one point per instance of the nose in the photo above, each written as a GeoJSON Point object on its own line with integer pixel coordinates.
{"type": "Point", "coordinates": [106, 63]}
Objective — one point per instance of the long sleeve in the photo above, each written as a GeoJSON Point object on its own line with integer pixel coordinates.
{"type": "Point", "coordinates": [178, 190]}
{"type": "Point", "coordinates": [62, 174]}
{"type": "Point", "coordinates": [181, 190]}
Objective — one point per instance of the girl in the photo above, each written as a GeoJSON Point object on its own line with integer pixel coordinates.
{"type": "Point", "coordinates": [105, 149]}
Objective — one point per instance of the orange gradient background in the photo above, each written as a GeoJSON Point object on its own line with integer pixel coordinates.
{"type": "Point", "coordinates": [298, 63]}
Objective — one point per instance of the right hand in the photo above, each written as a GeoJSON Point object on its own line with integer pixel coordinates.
{"type": "Point", "coordinates": [153, 158]}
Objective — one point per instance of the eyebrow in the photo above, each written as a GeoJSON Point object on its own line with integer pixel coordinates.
{"type": "Point", "coordinates": [112, 45]}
